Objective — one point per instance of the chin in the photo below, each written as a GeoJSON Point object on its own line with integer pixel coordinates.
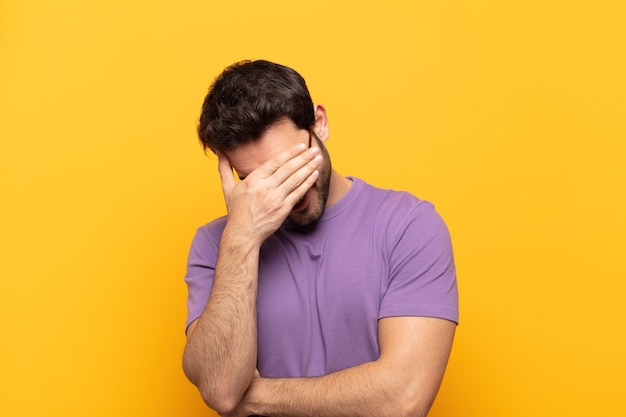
{"type": "Point", "coordinates": [303, 218]}
{"type": "Point", "coordinates": [307, 216]}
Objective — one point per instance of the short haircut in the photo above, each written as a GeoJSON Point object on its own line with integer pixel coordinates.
{"type": "Point", "coordinates": [247, 98]}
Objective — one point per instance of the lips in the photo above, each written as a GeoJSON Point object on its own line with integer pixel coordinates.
{"type": "Point", "coordinates": [301, 204]}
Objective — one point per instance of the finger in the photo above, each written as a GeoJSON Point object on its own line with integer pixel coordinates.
{"type": "Point", "coordinates": [299, 176]}
{"type": "Point", "coordinates": [275, 163]}
{"type": "Point", "coordinates": [292, 172]}
{"type": "Point", "coordinates": [226, 171]}
{"type": "Point", "coordinates": [298, 192]}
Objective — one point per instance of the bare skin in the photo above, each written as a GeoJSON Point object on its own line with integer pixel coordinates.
{"type": "Point", "coordinates": [403, 382]}
{"type": "Point", "coordinates": [220, 356]}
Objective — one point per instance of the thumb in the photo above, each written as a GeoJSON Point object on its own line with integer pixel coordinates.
{"type": "Point", "coordinates": [226, 171]}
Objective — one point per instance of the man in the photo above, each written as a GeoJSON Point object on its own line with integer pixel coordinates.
{"type": "Point", "coordinates": [317, 294]}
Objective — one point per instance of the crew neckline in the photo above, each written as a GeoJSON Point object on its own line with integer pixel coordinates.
{"type": "Point", "coordinates": [344, 202]}
{"type": "Point", "coordinates": [340, 206]}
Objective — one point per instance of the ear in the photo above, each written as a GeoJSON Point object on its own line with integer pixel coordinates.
{"type": "Point", "coordinates": [321, 128]}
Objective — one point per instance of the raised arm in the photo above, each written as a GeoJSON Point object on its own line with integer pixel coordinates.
{"type": "Point", "coordinates": [403, 382]}
{"type": "Point", "coordinates": [220, 355]}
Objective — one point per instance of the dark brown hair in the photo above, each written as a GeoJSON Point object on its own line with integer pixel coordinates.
{"type": "Point", "coordinates": [247, 98]}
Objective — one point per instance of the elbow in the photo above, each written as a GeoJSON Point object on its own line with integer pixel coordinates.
{"type": "Point", "coordinates": [409, 399]}
{"type": "Point", "coordinates": [414, 405]}
{"type": "Point", "coordinates": [417, 410]}
{"type": "Point", "coordinates": [220, 400]}
{"type": "Point", "coordinates": [222, 403]}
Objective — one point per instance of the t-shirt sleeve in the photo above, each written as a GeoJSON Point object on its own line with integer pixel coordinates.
{"type": "Point", "coordinates": [422, 274]}
{"type": "Point", "coordinates": [200, 273]}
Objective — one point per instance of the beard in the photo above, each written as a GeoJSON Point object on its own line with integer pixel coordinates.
{"type": "Point", "coordinates": [317, 194]}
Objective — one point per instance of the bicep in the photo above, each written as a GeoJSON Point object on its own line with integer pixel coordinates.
{"type": "Point", "coordinates": [416, 350]}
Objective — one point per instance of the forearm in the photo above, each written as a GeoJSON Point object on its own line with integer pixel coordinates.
{"type": "Point", "coordinates": [370, 389]}
{"type": "Point", "coordinates": [220, 356]}
{"type": "Point", "coordinates": [403, 381]}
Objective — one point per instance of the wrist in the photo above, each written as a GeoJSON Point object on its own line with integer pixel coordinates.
{"type": "Point", "coordinates": [251, 400]}
{"type": "Point", "coordinates": [238, 240]}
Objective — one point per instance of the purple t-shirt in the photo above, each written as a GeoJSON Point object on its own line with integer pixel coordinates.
{"type": "Point", "coordinates": [373, 254]}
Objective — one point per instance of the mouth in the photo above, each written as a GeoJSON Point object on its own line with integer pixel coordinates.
{"type": "Point", "coordinates": [301, 204]}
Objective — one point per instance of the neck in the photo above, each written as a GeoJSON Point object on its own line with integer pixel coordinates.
{"type": "Point", "coordinates": [339, 186]}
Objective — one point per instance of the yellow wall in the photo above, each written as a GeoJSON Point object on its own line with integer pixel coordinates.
{"type": "Point", "coordinates": [509, 115]}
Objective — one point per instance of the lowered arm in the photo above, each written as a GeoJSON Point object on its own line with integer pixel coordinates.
{"type": "Point", "coordinates": [403, 382]}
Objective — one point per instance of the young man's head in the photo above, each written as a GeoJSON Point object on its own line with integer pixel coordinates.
{"type": "Point", "coordinates": [247, 98]}
{"type": "Point", "coordinates": [256, 109]}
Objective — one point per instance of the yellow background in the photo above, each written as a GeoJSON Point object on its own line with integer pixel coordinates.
{"type": "Point", "coordinates": [508, 115]}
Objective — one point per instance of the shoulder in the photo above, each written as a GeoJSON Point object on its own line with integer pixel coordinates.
{"type": "Point", "coordinates": [387, 197]}
{"type": "Point", "coordinates": [208, 236]}
{"type": "Point", "coordinates": [214, 228]}
{"type": "Point", "coordinates": [396, 205]}
{"type": "Point", "coordinates": [402, 216]}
